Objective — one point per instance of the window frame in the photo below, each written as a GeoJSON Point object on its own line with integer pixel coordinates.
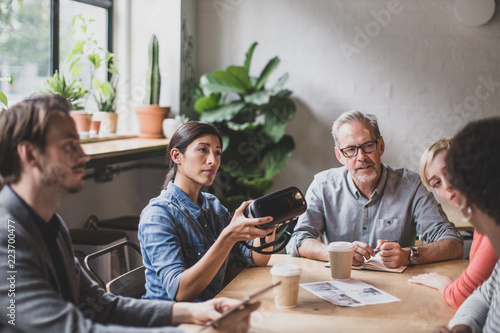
{"type": "Point", "coordinates": [55, 31]}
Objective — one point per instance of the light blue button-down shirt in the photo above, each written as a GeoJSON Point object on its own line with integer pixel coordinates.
{"type": "Point", "coordinates": [175, 233]}
{"type": "Point", "coordinates": [398, 210]}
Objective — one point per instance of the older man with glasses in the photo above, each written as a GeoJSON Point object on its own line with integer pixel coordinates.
{"type": "Point", "coordinates": [379, 208]}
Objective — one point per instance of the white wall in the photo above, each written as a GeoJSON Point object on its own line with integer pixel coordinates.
{"type": "Point", "coordinates": [419, 70]}
{"type": "Point", "coordinates": [134, 23]}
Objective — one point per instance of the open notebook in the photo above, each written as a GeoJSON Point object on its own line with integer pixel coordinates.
{"type": "Point", "coordinates": [376, 264]}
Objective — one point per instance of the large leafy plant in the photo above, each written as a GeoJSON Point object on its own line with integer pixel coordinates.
{"type": "Point", "coordinates": [252, 119]}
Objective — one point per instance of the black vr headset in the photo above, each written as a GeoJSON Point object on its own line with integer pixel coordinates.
{"type": "Point", "coordinates": [284, 206]}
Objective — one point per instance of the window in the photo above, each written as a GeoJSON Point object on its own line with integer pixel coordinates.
{"type": "Point", "coordinates": [35, 39]}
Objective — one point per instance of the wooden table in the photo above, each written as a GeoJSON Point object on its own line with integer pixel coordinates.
{"type": "Point", "coordinates": [421, 309]}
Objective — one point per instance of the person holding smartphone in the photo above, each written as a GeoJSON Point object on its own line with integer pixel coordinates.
{"type": "Point", "coordinates": [186, 235]}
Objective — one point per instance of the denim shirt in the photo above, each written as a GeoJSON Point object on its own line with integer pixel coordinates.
{"type": "Point", "coordinates": [399, 208]}
{"type": "Point", "coordinates": [175, 233]}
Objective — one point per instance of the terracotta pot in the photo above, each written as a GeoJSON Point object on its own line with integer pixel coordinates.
{"type": "Point", "coordinates": [95, 125]}
{"type": "Point", "coordinates": [82, 121]}
{"type": "Point", "coordinates": [150, 119]}
{"type": "Point", "coordinates": [109, 120]}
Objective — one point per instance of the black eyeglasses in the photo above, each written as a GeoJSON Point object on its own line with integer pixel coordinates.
{"type": "Point", "coordinates": [367, 147]}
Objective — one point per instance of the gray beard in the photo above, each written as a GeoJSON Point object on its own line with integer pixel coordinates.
{"type": "Point", "coordinates": [366, 178]}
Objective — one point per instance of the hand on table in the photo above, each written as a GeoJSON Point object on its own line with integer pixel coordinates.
{"type": "Point", "coordinates": [391, 253]}
{"type": "Point", "coordinates": [362, 251]}
{"type": "Point", "coordinates": [433, 280]}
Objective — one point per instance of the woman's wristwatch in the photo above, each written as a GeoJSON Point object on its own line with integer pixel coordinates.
{"type": "Point", "coordinates": [413, 257]}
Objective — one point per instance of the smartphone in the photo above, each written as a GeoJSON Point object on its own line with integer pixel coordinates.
{"type": "Point", "coordinates": [245, 302]}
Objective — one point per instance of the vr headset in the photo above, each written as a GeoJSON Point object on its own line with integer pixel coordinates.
{"type": "Point", "coordinates": [284, 206]}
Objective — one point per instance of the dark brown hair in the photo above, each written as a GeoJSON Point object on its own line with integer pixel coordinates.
{"type": "Point", "coordinates": [27, 120]}
{"type": "Point", "coordinates": [182, 138]}
{"type": "Point", "coordinates": [472, 164]}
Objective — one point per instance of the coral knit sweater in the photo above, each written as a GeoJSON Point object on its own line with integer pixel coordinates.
{"type": "Point", "coordinates": [482, 261]}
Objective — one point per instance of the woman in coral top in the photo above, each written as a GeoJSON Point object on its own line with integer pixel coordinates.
{"type": "Point", "coordinates": [482, 256]}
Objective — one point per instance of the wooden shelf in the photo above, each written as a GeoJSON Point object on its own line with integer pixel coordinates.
{"type": "Point", "coordinates": [121, 150]}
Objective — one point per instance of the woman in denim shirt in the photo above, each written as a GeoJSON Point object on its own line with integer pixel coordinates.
{"type": "Point", "coordinates": [187, 235]}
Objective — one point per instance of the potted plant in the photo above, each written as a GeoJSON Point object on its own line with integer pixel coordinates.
{"type": "Point", "coordinates": [105, 97]}
{"type": "Point", "coordinates": [87, 50]}
{"type": "Point", "coordinates": [74, 92]}
{"type": "Point", "coordinates": [253, 120]}
{"type": "Point", "coordinates": [150, 115]}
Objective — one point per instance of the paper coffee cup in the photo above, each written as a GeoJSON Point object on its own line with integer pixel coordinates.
{"type": "Point", "coordinates": [287, 293]}
{"type": "Point", "coordinates": [341, 259]}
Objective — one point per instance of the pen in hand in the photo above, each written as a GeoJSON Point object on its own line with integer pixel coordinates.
{"type": "Point", "coordinates": [378, 250]}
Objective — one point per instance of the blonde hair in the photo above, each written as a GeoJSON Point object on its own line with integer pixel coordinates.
{"type": "Point", "coordinates": [428, 156]}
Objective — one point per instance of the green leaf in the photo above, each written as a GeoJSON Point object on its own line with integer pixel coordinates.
{"type": "Point", "coordinates": [256, 187]}
{"type": "Point", "coordinates": [196, 92]}
{"type": "Point", "coordinates": [77, 49]}
{"type": "Point", "coordinates": [242, 74]}
{"type": "Point", "coordinates": [230, 80]}
{"type": "Point", "coordinates": [250, 126]}
{"type": "Point", "coordinates": [113, 69]}
{"type": "Point", "coordinates": [206, 103]}
{"type": "Point", "coordinates": [96, 83]}
{"type": "Point", "coordinates": [280, 83]}
{"type": "Point", "coordinates": [77, 70]}
{"type": "Point", "coordinates": [107, 89]}
{"type": "Point", "coordinates": [258, 98]}
{"type": "Point", "coordinates": [223, 113]}
{"type": "Point", "coordinates": [95, 59]}
{"type": "Point", "coordinates": [225, 142]}
{"type": "Point", "coordinates": [215, 85]}
{"type": "Point", "coordinates": [3, 99]}
{"type": "Point", "coordinates": [76, 17]}
{"type": "Point", "coordinates": [248, 56]}
{"type": "Point", "coordinates": [11, 79]}
{"type": "Point", "coordinates": [277, 155]}
{"type": "Point", "coordinates": [234, 201]}
{"type": "Point", "coordinates": [73, 64]}
{"type": "Point", "coordinates": [270, 67]}
{"type": "Point", "coordinates": [278, 114]}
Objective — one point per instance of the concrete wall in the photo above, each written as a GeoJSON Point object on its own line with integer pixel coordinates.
{"type": "Point", "coordinates": [411, 63]}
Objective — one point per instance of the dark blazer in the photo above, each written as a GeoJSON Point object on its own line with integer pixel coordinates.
{"type": "Point", "coordinates": [30, 293]}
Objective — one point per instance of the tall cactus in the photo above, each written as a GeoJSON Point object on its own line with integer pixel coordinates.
{"type": "Point", "coordinates": [153, 80]}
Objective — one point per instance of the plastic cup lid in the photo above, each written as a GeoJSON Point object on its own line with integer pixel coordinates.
{"type": "Point", "coordinates": [341, 246]}
{"type": "Point", "coordinates": [286, 269]}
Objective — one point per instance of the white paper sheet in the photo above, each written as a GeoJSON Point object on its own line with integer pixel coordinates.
{"type": "Point", "coordinates": [352, 292]}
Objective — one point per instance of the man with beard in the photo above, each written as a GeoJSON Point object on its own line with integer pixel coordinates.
{"type": "Point", "coordinates": [379, 208]}
{"type": "Point", "coordinates": [44, 288]}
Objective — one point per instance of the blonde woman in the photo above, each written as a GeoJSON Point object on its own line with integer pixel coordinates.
{"type": "Point", "coordinates": [482, 256]}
